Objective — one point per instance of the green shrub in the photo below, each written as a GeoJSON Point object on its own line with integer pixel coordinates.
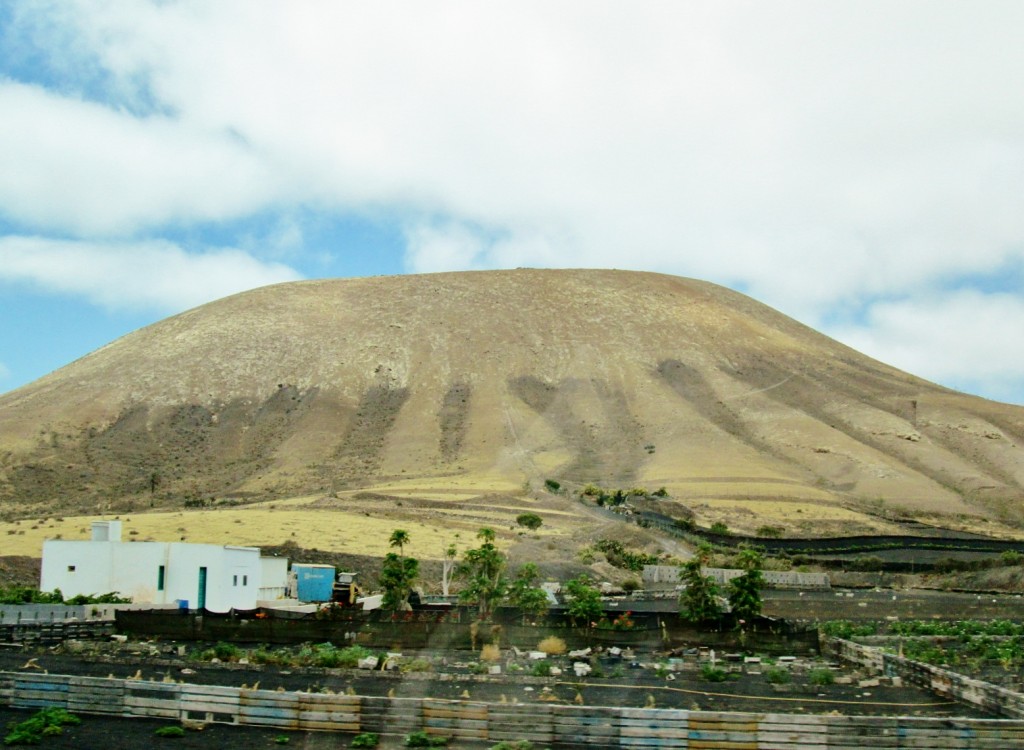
{"type": "Point", "coordinates": [44, 723]}
{"type": "Point", "coordinates": [719, 528]}
{"type": "Point", "coordinates": [366, 739]}
{"type": "Point", "coordinates": [531, 521]}
{"type": "Point", "coordinates": [282, 739]}
{"type": "Point", "coordinates": [770, 532]}
{"type": "Point", "coordinates": [227, 652]}
{"type": "Point", "coordinates": [777, 676]}
{"type": "Point", "coordinates": [712, 674]}
{"type": "Point", "coordinates": [171, 731]}
{"type": "Point", "coordinates": [541, 669]}
{"type": "Point", "coordinates": [417, 665]}
{"type": "Point", "coordinates": [329, 656]}
{"type": "Point", "coordinates": [821, 677]}
{"type": "Point", "coordinates": [29, 595]}
{"type": "Point", "coordinates": [422, 739]}
{"type": "Point", "coordinates": [552, 485]}
{"type": "Point", "coordinates": [263, 655]}
{"type": "Point", "coordinates": [517, 745]}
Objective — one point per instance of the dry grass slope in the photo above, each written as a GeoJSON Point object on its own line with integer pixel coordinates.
{"type": "Point", "coordinates": [493, 381]}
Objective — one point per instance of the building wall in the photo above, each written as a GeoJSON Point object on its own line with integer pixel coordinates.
{"type": "Point", "coordinates": [273, 579]}
{"type": "Point", "coordinates": [233, 574]}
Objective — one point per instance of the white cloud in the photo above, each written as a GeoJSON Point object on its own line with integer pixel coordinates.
{"type": "Point", "coordinates": [813, 154]}
{"type": "Point", "coordinates": [449, 248]}
{"type": "Point", "coordinates": [5, 372]}
{"type": "Point", "coordinates": [77, 166]}
{"type": "Point", "coordinates": [156, 276]}
{"type": "Point", "coordinates": [964, 339]}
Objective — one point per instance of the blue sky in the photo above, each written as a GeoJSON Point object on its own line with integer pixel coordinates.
{"type": "Point", "coordinates": [856, 165]}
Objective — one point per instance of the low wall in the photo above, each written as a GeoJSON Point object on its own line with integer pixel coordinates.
{"type": "Point", "coordinates": [27, 633]}
{"type": "Point", "coordinates": [994, 699]}
{"type": "Point", "coordinates": [667, 576]}
{"type": "Point", "coordinates": [553, 725]}
{"type": "Point", "coordinates": [25, 613]}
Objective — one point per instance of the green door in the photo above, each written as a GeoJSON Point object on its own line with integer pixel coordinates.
{"type": "Point", "coordinates": [202, 588]}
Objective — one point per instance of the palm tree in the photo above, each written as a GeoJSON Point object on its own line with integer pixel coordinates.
{"type": "Point", "coordinates": [399, 538]}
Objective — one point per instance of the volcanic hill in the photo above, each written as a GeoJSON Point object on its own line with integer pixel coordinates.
{"type": "Point", "coordinates": [492, 381]}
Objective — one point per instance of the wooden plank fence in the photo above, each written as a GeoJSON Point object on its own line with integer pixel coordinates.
{"type": "Point", "coordinates": [544, 724]}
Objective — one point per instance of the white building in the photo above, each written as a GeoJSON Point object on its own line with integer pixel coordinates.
{"type": "Point", "coordinates": [209, 576]}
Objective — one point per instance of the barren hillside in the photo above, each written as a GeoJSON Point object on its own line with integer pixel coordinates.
{"type": "Point", "coordinates": [485, 382]}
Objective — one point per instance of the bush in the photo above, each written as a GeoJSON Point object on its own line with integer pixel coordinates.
{"type": "Point", "coordinates": [821, 677]}
{"type": "Point", "coordinates": [845, 629]}
{"type": "Point", "coordinates": [417, 665]}
{"type": "Point", "coordinates": [45, 723]}
{"type": "Point", "coordinates": [777, 676]}
{"type": "Point", "coordinates": [329, 656]}
{"type": "Point", "coordinates": [867, 562]}
{"type": "Point", "coordinates": [172, 731]}
{"type": "Point", "coordinates": [490, 653]}
{"type": "Point", "coordinates": [518, 745]}
{"type": "Point", "coordinates": [227, 652]}
{"type": "Point", "coordinates": [263, 655]}
{"type": "Point", "coordinates": [422, 739]}
{"type": "Point", "coordinates": [719, 528]}
{"type": "Point", "coordinates": [630, 585]}
{"type": "Point", "coordinates": [366, 739]}
{"type": "Point", "coordinates": [530, 520]}
{"type": "Point", "coordinates": [552, 646]}
{"type": "Point", "coordinates": [552, 485]}
{"type": "Point", "coordinates": [712, 674]}
{"type": "Point", "coordinates": [541, 669]}
{"type": "Point", "coordinates": [770, 532]}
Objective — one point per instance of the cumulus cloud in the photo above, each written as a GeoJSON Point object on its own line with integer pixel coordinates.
{"type": "Point", "coordinates": [147, 276]}
{"type": "Point", "coordinates": [812, 154]}
{"type": "Point", "coordinates": [73, 165]}
{"type": "Point", "coordinates": [962, 338]}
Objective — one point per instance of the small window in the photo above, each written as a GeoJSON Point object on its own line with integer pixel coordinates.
{"type": "Point", "coordinates": [160, 574]}
{"type": "Point", "coordinates": [71, 569]}
{"type": "Point", "coordinates": [234, 580]}
{"type": "Point", "coordinates": [245, 580]}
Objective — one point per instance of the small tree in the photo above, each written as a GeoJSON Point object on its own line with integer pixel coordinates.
{"type": "Point", "coordinates": [397, 576]}
{"type": "Point", "coordinates": [584, 600]}
{"type": "Point", "coordinates": [399, 538]}
{"type": "Point", "coordinates": [526, 594]}
{"type": "Point", "coordinates": [699, 600]}
{"type": "Point", "coordinates": [745, 590]}
{"type": "Point", "coordinates": [482, 568]}
{"type": "Point", "coordinates": [530, 520]}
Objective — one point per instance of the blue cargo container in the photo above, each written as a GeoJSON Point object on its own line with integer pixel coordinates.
{"type": "Point", "coordinates": [313, 583]}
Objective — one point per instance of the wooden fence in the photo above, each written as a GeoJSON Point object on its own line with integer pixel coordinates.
{"type": "Point", "coordinates": [546, 724]}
